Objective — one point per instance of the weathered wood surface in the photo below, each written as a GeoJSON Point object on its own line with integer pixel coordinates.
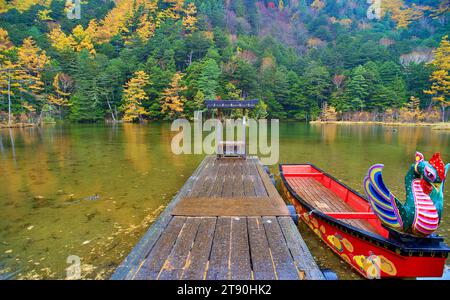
{"type": "Point", "coordinates": [222, 247]}
{"type": "Point", "coordinates": [127, 269]}
{"type": "Point", "coordinates": [318, 196]}
{"type": "Point", "coordinates": [215, 207]}
{"type": "Point", "coordinates": [232, 187]}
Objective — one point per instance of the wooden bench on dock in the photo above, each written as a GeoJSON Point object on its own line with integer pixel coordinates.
{"type": "Point", "coordinates": [227, 222]}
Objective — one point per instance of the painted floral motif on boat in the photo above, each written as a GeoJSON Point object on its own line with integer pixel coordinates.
{"type": "Point", "coordinates": [340, 243]}
{"type": "Point", "coordinates": [373, 264]}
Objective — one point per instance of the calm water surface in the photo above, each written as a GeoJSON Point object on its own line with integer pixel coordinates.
{"type": "Point", "coordinates": [93, 190]}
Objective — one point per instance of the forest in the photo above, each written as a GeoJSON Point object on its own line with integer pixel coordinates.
{"type": "Point", "coordinates": [144, 60]}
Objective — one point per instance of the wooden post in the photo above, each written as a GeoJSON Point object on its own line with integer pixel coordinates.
{"type": "Point", "coordinates": [244, 136]}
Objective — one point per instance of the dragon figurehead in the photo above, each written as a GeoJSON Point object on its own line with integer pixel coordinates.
{"type": "Point", "coordinates": [420, 214]}
{"type": "Point", "coordinates": [431, 172]}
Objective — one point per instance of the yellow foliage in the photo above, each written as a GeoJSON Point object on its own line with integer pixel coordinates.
{"type": "Point", "coordinates": [117, 20]}
{"type": "Point", "coordinates": [83, 41]}
{"type": "Point", "coordinates": [122, 18]}
{"type": "Point", "coordinates": [5, 42]}
{"type": "Point", "coordinates": [172, 101]}
{"type": "Point", "coordinates": [402, 14]}
{"type": "Point", "coordinates": [62, 84]}
{"type": "Point", "coordinates": [267, 63]}
{"type": "Point", "coordinates": [21, 5]}
{"type": "Point", "coordinates": [315, 43]}
{"type": "Point", "coordinates": [440, 78]}
{"type": "Point", "coordinates": [146, 28]}
{"type": "Point", "coordinates": [190, 18]}
{"type": "Point", "coordinates": [79, 40]}
{"type": "Point", "coordinates": [60, 41]}
{"type": "Point", "coordinates": [43, 15]}
{"type": "Point", "coordinates": [328, 113]}
{"type": "Point", "coordinates": [32, 60]}
{"type": "Point", "coordinates": [318, 5]}
{"type": "Point", "coordinates": [134, 95]}
{"type": "Point", "coordinates": [28, 106]}
{"type": "Point", "coordinates": [343, 22]}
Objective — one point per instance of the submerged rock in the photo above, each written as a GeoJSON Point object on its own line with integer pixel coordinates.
{"type": "Point", "coordinates": [93, 198]}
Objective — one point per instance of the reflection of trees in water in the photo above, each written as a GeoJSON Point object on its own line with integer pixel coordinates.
{"type": "Point", "coordinates": [13, 148]}
{"type": "Point", "coordinates": [136, 145]}
{"type": "Point", "coordinates": [329, 133]}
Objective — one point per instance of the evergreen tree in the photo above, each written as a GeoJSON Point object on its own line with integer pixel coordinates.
{"type": "Point", "coordinates": [357, 89]}
{"type": "Point", "coordinates": [208, 82]}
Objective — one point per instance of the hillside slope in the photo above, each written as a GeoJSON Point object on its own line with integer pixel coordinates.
{"type": "Point", "coordinates": [150, 59]}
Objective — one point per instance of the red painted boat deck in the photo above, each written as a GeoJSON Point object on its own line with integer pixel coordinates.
{"type": "Point", "coordinates": [325, 200]}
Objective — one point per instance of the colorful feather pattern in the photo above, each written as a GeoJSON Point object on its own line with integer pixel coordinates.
{"type": "Point", "coordinates": [381, 199]}
{"type": "Point", "coordinates": [426, 218]}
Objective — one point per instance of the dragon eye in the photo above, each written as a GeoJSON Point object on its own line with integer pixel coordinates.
{"type": "Point", "coordinates": [429, 174]}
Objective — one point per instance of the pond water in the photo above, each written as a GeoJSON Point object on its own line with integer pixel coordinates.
{"type": "Point", "coordinates": [93, 190]}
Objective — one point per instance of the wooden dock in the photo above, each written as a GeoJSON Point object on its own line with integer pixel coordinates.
{"type": "Point", "coordinates": [227, 222]}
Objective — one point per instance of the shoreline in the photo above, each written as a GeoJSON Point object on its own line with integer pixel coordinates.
{"type": "Point", "coordinates": [17, 125]}
{"type": "Point", "coordinates": [434, 126]}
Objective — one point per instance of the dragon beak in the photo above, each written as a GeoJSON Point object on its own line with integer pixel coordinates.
{"type": "Point", "coordinates": [437, 186]}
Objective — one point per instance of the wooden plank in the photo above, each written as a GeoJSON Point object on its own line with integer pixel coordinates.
{"type": "Point", "coordinates": [249, 189]}
{"type": "Point", "coordinates": [152, 265]}
{"type": "Point", "coordinates": [212, 178]}
{"type": "Point", "coordinates": [201, 178]}
{"type": "Point", "coordinates": [238, 179]}
{"type": "Point", "coordinates": [263, 267]}
{"type": "Point", "coordinates": [228, 180]}
{"type": "Point", "coordinates": [242, 206]}
{"type": "Point", "coordinates": [240, 268]}
{"type": "Point", "coordinates": [325, 200]}
{"type": "Point", "coordinates": [218, 183]}
{"type": "Point", "coordinates": [208, 179]}
{"type": "Point", "coordinates": [270, 188]}
{"type": "Point", "coordinates": [260, 190]}
{"type": "Point", "coordinates": [282, 259]}
{"type": "Point", "coordinates": [132, 262]}
{"type": "Point", "coordinates": [302, 256]}
{"type": "Point", "coordinates": [197, 262]}
{"type": "Point", "coordinates": [219, 263]}
{"type": "Point", "coordinates": [175, 263]}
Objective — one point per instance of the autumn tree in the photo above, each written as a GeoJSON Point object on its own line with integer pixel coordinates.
{"type": "Point", "coordinates": [328, 113]}
{"type": "Point", "coordinates": [11, 75]}
{"type": "Point", "coordinates": [133, 97]}
{"type": "Point", "coordinates": [172, 103]}
{"type": "Point", "coordinates": [79, 40]}
{"type": "Point", "coordinates": [83, 40]}
{"type": "Point", "coordinates": [32, 60]}
{"type": "Point", "coordinates": [318, 5]}
{"type": "Point", "coordinates": [402, 14]}
{"type": "Point", "coordinates": [190, 18]}
{"type": "Point", "coordinates": [62, 85]}
{"type": "Point", "coordinates": [440, 78]}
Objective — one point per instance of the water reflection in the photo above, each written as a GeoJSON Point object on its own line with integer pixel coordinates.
{"type": "Point", "coordinates": [92, 190]}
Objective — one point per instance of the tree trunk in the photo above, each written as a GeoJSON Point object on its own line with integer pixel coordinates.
{"type": "Point", "coordinates": [443, 112]}
{"type": "Point", "coordinates": [9, 100]}
{"type": "Point", "coordinates": [110, 108]}
{"type": "Point", "coordinates": [190, 58]}
{"type": "Point", "coordinates": [39, 120]}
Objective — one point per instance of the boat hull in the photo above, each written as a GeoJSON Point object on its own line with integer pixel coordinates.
{"type": "Point", "coordinates": [371, 259]}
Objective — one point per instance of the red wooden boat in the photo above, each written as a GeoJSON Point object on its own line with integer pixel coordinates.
{"type": "Point", "coordinates": [343, 219]}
